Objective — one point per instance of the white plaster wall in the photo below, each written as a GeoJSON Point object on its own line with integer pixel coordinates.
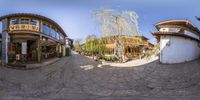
{"type": "Point", "coordinates": [174, 49]}
{"type": "Point", "coordinates": [164, 40]}
{"type": "Point", "coordinates": [169, 29]}
{"type": "Point", "coordinates": [64, 50]}
{"type": "Point", "coordinates": [191, 34]}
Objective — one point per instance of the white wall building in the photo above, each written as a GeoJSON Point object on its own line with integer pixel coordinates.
{"type": "Point", "coordinates": [179, 41]}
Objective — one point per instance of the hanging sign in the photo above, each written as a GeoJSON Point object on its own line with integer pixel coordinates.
{"type": "Point", "coordinates": [24, 48]}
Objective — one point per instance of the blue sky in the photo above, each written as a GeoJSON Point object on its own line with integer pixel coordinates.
{"type": "Point", "coordinates": [75, 16]}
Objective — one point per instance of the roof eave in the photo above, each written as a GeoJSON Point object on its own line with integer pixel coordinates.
{"type": "Point", "coordinates": [158, 34]}
{"type": "Point", "coordinates": [186, 22]}
{"type": "Point", "coordinates": [36, 16]}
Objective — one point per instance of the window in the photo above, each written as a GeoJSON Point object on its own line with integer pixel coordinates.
{"type": "Point", "coordinates": [53, 33]}
{"type": "Point", "coordinates": [24, 21]}
{"type": "Point", "coordinates": [14, 21]}
{"type": "Point", "coordinates": [169, 30]}
{"type": "Point", "coordinates": [164, 30]}
{"type": "Point", "coordinates": [46, 29]}
{"type": "Point", "coordinates": [57, 35]}
{"type": "Point", "coordinates": [34, 22]}
{"type": "Point", "coordinates": [174, 29]}
{"type": "Point", "coordinates": [61, 37]}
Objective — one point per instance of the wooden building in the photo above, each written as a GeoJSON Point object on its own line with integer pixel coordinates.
{"type": "Point", "coordinates": [134, 46]}
{"type": "Point", "coordinates": [31, 38]}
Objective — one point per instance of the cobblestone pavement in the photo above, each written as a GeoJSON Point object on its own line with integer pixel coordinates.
{"type": "Point", "coordinates": [69, 79]}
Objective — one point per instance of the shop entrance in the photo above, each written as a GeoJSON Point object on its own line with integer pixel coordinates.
{"type": "Point", "coordinates": [48, 52]}
{"type": "Point", "coordinates": [23, 51]}
{"type": "Point", "coordinates": [49, 49]}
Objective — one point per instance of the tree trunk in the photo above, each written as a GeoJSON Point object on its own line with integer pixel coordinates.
{"type": "Point", "coordinates": [119, 51]}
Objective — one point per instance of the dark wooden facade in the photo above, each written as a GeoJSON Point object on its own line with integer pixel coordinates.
{"type": "Point", "coordinates": [33, 37]}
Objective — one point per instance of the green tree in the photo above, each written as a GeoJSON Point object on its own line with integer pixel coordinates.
{"type": "Point", "coordinates": [94, 46]}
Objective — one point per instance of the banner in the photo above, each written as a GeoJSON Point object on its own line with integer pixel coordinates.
{"type": "Point", "coordinates": [24, 48]}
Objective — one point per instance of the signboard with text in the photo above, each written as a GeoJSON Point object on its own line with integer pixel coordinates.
{"type": "Point", "coordinates": [24, 27]}
{"type": "Point", "coordinates": [24, 48]}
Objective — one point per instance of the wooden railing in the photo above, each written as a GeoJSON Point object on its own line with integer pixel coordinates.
{"type": "Point", "coordinates": [26, 27]}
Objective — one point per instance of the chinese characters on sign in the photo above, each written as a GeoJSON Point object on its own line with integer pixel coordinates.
{"type": "Point", "coordinates": [24, 27]}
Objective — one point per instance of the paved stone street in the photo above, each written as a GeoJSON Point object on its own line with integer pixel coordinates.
{"type": "Point", "coordinates": [70, 79]}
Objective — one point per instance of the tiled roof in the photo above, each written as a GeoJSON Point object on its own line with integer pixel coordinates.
{"type": "Point", "coordinates": [185, 23]}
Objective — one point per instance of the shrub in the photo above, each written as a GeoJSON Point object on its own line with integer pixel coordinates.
{"type": "Point", "coordinates": [110, 58]}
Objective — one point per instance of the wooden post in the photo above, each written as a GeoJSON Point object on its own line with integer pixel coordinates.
{"type": "Point", "coordinates": [39, 52]}
{"type": "Point", "coordinates": [41, 26]}
{"type": "Point", "coordinates": [57, 50]}
{"type": "Point", "coordinates": [64, 47]}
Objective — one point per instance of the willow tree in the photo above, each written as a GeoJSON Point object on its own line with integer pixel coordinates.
{"type": "Point", "coordinates": [94, 46]}
{"type": "Point", "coordinates": [116, 24]}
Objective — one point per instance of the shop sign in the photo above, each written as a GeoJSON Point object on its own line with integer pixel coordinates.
{"type": "Point", "coordinates": [24, 27]}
